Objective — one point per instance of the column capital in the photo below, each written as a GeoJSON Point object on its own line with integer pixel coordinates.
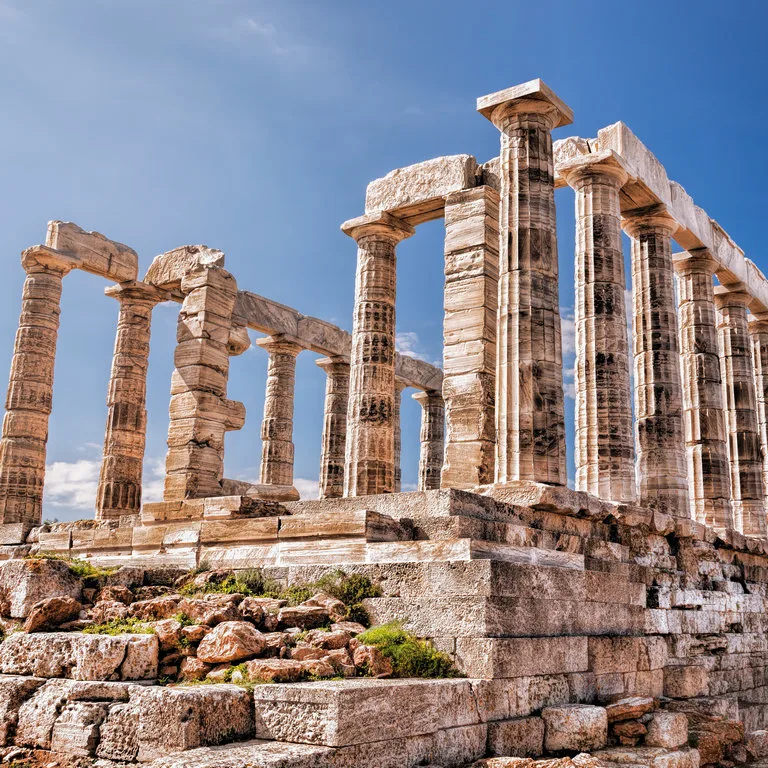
{"type": "Point", "coordinates": [381, 223]}
{"type": "Point", "coordinates": [606, 164]}
{"type": "Point", "coordinates": [758, 323]}
{"type": "Point", "coordinates": [531, 97]}
{"type": "Point", "coordinates": [333, 363]}
{"type": "Point", "coordinates": [41, 258]}
{"type": "Point", "coordinates": [136, 291]}
{"type": "Point", "coordinates": [727, 296]}
{"type": "Point", "coordinates": [655, 218]}
{"type": "Point", "coordinates": [697, 261]}
{"type": "Point", "coordinates": [426, 396]}
{"type": "Point", "coordinates": [280, 344]}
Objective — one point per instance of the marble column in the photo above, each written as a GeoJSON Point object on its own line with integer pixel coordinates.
{"type": "Point", "coordinates": [119, 490]}
{"type": "Point", "coordinates": [758, 331]}
{"type": "Point", "coordinates": [30, 389]}
{"type": "Point", "coordinates": [469, 333]}
{"type": "Point", "coordinates": [277, 427]}
{"type": "Point", "coordinates": [334, 426]}
{"type": "Point", "coordinates": [369, 460]}
{"type": "Point", "coordinates": [747, 491]}
{"type": "Point", "coordinates": [706, 439]}
{"type": "Point", "coordinates": [200, 413]}
{"type": "Point", "coordinates": [530, 422]}
{"type": "Point", "coordinates": [605, 443]}
{"type": "Point", "coordinates": [398, 434]}
{"type": "Point", "coordinates": [432, 437]}
{"type": "Point", "coordinates": [661, 461]}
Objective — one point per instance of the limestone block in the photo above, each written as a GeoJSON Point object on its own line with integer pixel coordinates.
{"type": "Point", "coordinates": [168, 268]}
{"type": "Point", "coordinates": [119, 734]}
{"type": "Point", "coordinates": [231, 641]}
{"type": "Point", "coordinates": [14, 691]}
{"type": "Point", "coordinates": [97, 254]}
{"type": "Point", "coordinates": [523, 737]}
{"type": "Point", "coordinates": [76, 730]}
{"type": "Point", "coordinates": [667, 729]}
{"type": "Point", "coordinates": [685, 682]}
{"type": "Point", "coordinates": [578, 728]}
{"type": "Point", "coordinates": [631, 708]}
{"type": "Point", "coordinates": [24, 583]}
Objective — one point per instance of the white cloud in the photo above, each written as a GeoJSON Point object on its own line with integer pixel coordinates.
{"type": "Point", "coordinates": [72, 483]}
{"type": "Point", "coordinates": [568, 331]}
{"type": "Point", "coordinates": [308, 489]}
{"type": "Point", "coordinates": [569, 382]}
{"type": "Point", "coordinates": [408, 343]}
{"type": "Point", "coordinates": [269, 40]}
{"type": "Point", "coordinates": [9, 12]}
{"type": "Point", "coordinates": [153, 480]}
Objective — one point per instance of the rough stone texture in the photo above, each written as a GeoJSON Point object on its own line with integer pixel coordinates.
{"type": "Point", "coordinates": [13, 692]}
{"type": "Point", "coordinates": [51, 612]}
{"type": "Point", "coordinates": [578, 728]}
{"type": "Point", "coordinates": [119, 490]}
{"type": "Point", "coordinates": [230, 641]}
{"type": "Point", "coordinates": [277, 425]}
{"type": "Point", "coordinates": [167, 269]}
{"type": "Point", "coordinates": [432, 439]}
{"type": "Point", "coordinates": [705, 429]}
{"type": "Point", "coordinates": [334, 426]}
{"type": "Point", "coordinates": [24, 583]}
{"type": "Point", "coordinates": [469, 336]}
{"type": "Point", "coordinates": [661, 461]}
{"type": "Point", "coordinates": [369, 460]}
{"type": "Point", "coordinates": [758, 331]}
{"type": "Point", "coordinates": [522, 737]}
{"type": "Point", "coordinates": [667, 729]}
{"type": "Point", "coordinates": [397, 434]}
{"type": "Point", "coordinates": [605, 452]}
{"type": "Point", "coordinates": [530, 426]}
{"type": "Point", "coordinates": [736, 366]}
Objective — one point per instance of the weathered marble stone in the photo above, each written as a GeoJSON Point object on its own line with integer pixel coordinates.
{"type": "Point", "coordinates": [758, 331]}
{"type": "Point", "coordinates": [24, 583]}
{"type": "Point", "coordinates": [167, 269]}
{"type": "Point", "coordinates": [578, 728]}
{"type": "Point", "coordinates": [230, 641]}
{"type": "Point", "coordinates": [397, 434]}
{"type": "Point", "coordinates": [667, 729]}
{"type": "Point", "coordinates": [432, 439]}
{"type": "Point", "coordinates": [334, 426]}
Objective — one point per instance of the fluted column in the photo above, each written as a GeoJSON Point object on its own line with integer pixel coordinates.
{"type": "Point", "coordinates": [605, 445]}
{"type": "Point", "coordinates": [747, 492]}
{"type": "Point", "coordinates": [397, 428]}
{"type": "Point", "coordinates": [758, 331]}
{"type": "Point", "coordinates": [369, 460]}
{"type": "Point", "coordinates": [277, 426]}
{"type": "Point", "coordinates": [334, 426]}
{"type": "Point", "coordinates": [432, 437]}
{"type": "Point", "coordinates": [661, 460]}
{"type": "Point", "coordinates": [704, 418]}
{"type": "Point", "coordinates": [119, 490]}
{"type": "Point", "coordinates": [530, 423]}
{"type": "Point", "coordinates": [30, 390]}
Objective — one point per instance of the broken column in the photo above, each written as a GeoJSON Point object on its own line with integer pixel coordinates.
{"type": "Point", "coordinates": [432, 439]}
{"type": "Point", "coordinates": [369, 460]}
{"type": "Point", "coordinates": [277, 426]}
{"type": "Point", "coordinates": [747, 492]}
{"type": "Point", "coordinates": [119, 490]}
{"type": "Point", "coordinates": [30, 390]}
{"type": "Point", "coordinates": [661, 460]}
{"type": "Point", "coordinates": [758, 331]}
{"type": "Point", "coordinates": [398, 434]}
{"type": "Point", "coordinates": [469, 333]}
{"type": "Point", "coordinates": [200, 412]}
{"type": "Point", "coordinates": [530, 423]}
{"type": "Point", "coordinates": [334, 426]}
{"type": "Point", "coordinates": [704, 418]}
{"type": "Point", "coordinates": [605, 450]}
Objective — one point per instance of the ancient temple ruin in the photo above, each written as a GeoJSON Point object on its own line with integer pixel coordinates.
{"type": "Point", "coordinates": [648, 580]}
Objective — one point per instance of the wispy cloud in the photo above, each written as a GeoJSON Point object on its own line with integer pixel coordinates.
{"type": "Point", "coordinates": [568, 331]}
{"type": "Point", "coordinates": [308, 489]}
{"type": "Point", "coordinates": [408, 343]}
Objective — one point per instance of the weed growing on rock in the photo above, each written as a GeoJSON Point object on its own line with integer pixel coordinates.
{"type": "Point", "coordinates": [128, 626]}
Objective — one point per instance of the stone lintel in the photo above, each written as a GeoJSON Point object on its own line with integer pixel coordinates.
{"type": "Point", "coordinates": [134, 290]}
{"type": "Point", "coordinates": [597, 163]}
{"type": "Point", "coordinates": [381, 223]}
{"type": "Point", "coordinates": [48, 258]}
{"type": "Point", "coordinates": [533, 90]}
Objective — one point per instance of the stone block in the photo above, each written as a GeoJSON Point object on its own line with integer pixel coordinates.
{"type": "Point", "coordinates": [76, 730]}
{"type": "Point", "coordinates": [576, 728]}
{"type": "Point", "coordinates": [23, 583]}
{"type": "Point", "coordinates": [523, 737]}
{"type": "Point", "coordinates": [14, 691]}
{"type": "Point", "coordinates": [667, 729]}
{"type": "Point", "coordinates": [685, 682]}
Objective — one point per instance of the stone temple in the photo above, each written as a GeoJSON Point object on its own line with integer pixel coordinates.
{"type": "Point", "coordinates": [621, 623]}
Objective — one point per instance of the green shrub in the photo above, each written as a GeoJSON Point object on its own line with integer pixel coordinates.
{"type": "Point", "coordinates": [89, 573]}
{"type": "Point", "coordinates": [410, 656]}
{"type": "Point", "coordinates": [184, 620]}
{"type": "Point", "coordinates": [127, 626]}
{"type": "Point", "coordinates": [250, 583]}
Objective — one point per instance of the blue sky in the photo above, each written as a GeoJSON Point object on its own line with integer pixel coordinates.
{"type": "Point", "coordinates": [254, 127]}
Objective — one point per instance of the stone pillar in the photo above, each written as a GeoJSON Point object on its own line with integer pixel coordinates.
{"type": "Point", "coordinates": [200, 412]}
{"type": "Point", "coordinates": [277, 426]}
{"type": "Point", "coordinates": [30, 390]}
{"type": "Point", "coordinates": [661, 462]}
{"type": "Point", "coordinates": [605, 443]}
{"type": "Point", "coordinates": [397, 429]}
{"type": "Point", "coordinates": [758, 331]}
{"type": "Point", "coordinates": [334, 426]}
{"type": "Point", "coordinates": [704, 418]}
{"type": "Point", "coordinates": [369, 461]}
{"type": "Point", "coordinates": [530, 422]}
{"type": "Point", "coordinates": [432, 438]}
{"type": "Point", "coordinates": [469, 334]}
{"type": "Point", "coordinates": [119, 491]}
{"type": "Point", "coordinates": [747, 492]}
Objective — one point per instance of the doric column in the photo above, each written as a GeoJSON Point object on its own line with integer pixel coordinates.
{"type": "Point", "coordinates": [369, 461]}
{"type": "Point", "coordinates": [119, 491]}
{"type": "Point", "coordinates": [432, 438]}
{"type": "Point", "coordinates": [30, 390]}
{"type": "Point", "coordinates": [469, 332]}
{"type": "Point", "coordinates": [277, 426]}
{"type": "Point", "coordinates": [200, 412]}
{"type": "Point", "coordinates": [747, 492]}
{"type": "Point", "coordinates": [605, 444]}
{"type": "Point", "coordinates": [758, 331]}
{"type": "Point", "coordinates": [397, 429]}
{"type": "Point", "coordinates": [334, 426]}
{"type": "Point", "coordinates": [530, 423]}
{"type": "Point", "coordinates": [661, 463]}
{"type": "Point", "coordinates": [704, 418]}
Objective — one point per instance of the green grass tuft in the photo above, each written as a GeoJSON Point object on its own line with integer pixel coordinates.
{"type": "Point", "coordinates": [127, 626]}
